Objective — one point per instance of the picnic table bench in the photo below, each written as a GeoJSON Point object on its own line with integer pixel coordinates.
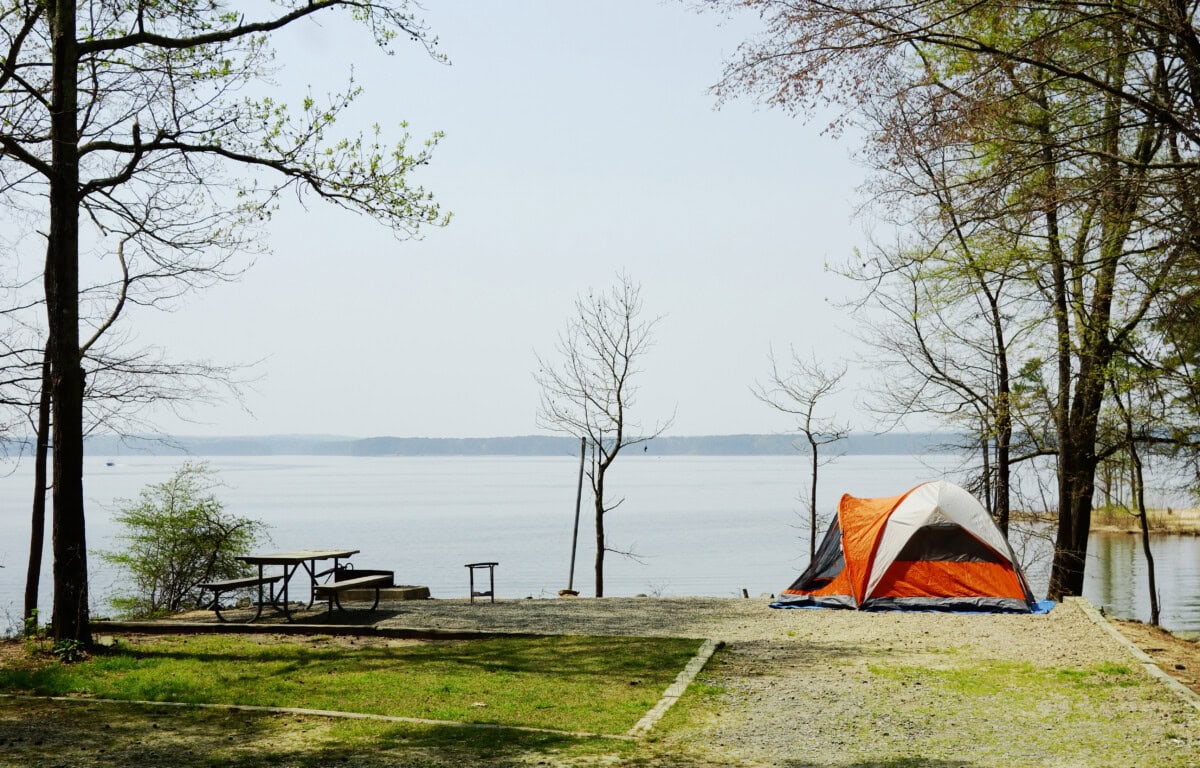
{"type": "Point", "coordinates": [332, 590]}
{"type": "Point", "coordinates": [219, 588]}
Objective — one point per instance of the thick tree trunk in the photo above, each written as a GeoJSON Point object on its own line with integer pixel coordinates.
{"type": "Point", "coordinates": [1077, 446]}
{"type": "Point", "coordinates": [1117, 211]}
{"type": "Point", "coordinates": [1077, 478]}
{"type": "Point", "coordinates": [62, 309]}
{"type": "Point", "coordinates": [1074, 522]}
{"type": "Point", "coordinates": [37, 535]}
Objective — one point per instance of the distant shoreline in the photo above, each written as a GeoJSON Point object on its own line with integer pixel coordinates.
{"type": "Point", "coordinates": [1172, 520]}
{"type": "Point", "coordinates": [892, 444]}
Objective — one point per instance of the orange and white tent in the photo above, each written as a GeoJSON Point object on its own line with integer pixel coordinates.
{"type": "Point", "coordinates": [932, 549]}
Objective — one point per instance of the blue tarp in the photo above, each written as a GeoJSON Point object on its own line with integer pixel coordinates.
{"type": "Point", "coordinates": [1043, 606]}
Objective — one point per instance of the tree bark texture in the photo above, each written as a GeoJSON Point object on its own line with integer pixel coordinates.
{"type": "Point", "coordinates": [70, 620]}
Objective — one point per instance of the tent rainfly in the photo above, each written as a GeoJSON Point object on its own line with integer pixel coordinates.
{"type": "Point", "coordinates": [932, 549]}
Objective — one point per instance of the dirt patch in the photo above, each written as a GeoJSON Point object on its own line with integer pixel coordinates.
{"type": "Point", "coordinates": [12, 652]}
{"type": "Point", "coordinates": [1176, 656]}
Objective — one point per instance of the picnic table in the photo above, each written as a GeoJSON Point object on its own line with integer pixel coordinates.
{"type": "Point", "coordinates": [343, 579]}
{"type": "Point", "coordinates": [292, 563]}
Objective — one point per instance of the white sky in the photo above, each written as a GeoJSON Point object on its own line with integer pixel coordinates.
{"type": "Point", "coordinates": [581, 140]}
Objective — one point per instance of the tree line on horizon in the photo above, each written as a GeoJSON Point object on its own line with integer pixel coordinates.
{"type": "Point", "coordinates": [748, 444]}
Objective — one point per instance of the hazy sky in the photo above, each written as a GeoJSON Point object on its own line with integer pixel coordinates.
{"type": "Point", "coordinates": [581, 140]}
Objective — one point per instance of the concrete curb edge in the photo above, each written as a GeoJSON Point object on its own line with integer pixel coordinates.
{"type": "Point", "coordinates": [1148, 664]}
{"type": "Point", "coordinates": [675, 689]}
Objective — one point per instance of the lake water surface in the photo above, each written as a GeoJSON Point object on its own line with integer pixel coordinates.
{"type": "Point", "coordinates": [711, 525]}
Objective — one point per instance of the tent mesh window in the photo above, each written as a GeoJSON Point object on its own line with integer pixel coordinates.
{"type": "Point", "coordinates": [947, 542]}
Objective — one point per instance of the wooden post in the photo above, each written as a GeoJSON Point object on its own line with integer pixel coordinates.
{"type": "Point", "coordinates": [578, 500]}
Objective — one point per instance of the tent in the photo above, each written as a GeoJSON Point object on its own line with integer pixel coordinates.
{"type": "Point", "coordinates": [932, 549]}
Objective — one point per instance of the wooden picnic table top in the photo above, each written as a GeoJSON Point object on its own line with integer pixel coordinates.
{"type": "Point", "coordinates": [297, 556]}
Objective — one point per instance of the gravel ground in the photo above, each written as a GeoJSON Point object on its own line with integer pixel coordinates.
{"type": "Point", "coordinates": [811, 689]}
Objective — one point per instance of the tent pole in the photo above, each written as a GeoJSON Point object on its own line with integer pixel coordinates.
{"type": "Point", "coordinates": [578, 500]}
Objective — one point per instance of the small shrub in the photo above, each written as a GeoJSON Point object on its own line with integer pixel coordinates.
{"type": "Point", "coordinates": [32, 629]}
{"type": "Point", "coordinates": [177, 535]}
{"type": "Point", "coordinates": [69, 651]}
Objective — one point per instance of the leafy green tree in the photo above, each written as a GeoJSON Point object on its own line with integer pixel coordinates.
{"type": "Point", "coordinates": [1068, 128]}
{"type": "Point", "coordinates": [152, 122]}
{"type": "Point", "coordinates": [177, 535]}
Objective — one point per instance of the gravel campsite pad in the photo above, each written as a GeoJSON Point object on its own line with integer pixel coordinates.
{"type": "Point", "coordinates": [817, 688]}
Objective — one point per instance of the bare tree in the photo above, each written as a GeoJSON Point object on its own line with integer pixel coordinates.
{"type": "Point", "coordinates": [798, 391]}
{"type": "Point", "coordinates": [589, 393]}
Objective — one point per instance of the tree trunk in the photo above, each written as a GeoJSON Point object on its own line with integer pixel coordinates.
{"type": "Point", "coordinates": [985, 475]}
{"type": "Point", "coordinates": [600, 468]}
{"type": "Point", "coordinates": [37, 535]}
{"type": "Point", "coordinates": [812, 510]}
{"type": "Point", "coordinates": [599, 489]}
{"type": "Point", "coordinates": [1150, 577]}
{"type": "Point", "coordinates": [62, 309]}
{"type": "Point", "coordinates": [1004, 470]}
{"type": "Point", "coordinates": [1117, 211]}
{"type": "Point", "coordinates": [1077, 484]}
{"type": "Point", "coordinates": [1004, 427]}
{"type": "Point", "coordinates": [1138, 486]}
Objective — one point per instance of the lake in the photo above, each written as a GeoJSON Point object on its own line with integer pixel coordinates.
{"type": "Point", "coordinates": [703, 525]}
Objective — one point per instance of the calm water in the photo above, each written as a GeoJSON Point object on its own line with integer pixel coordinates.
{"type": "Point", "coordinates": [699, 525]}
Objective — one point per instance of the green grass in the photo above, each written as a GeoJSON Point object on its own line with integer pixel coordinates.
{"type": "Point", "coordinates": [995, 678]}
{"type": "Point", "coordinates": [1063, 715]}
{"type": "Point", "coordinates": [87, 735]}
{"type": "Point", "coordinates": [598, 685]}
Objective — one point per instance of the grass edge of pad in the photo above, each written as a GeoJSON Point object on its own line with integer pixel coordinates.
{"type": "Point", "coordinates": [676, 689]}
{"type": "Point", "coordinates": [328, 713]}
{"type": "Point", "coordinates": [1148, 665]}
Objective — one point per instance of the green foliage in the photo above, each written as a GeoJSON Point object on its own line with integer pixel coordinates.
{"type": "Point", "coordinates": [31, 624]}
{"type": "Point", "coordinates": [178, 535]}
{"type": "Point", "coordinates": [69, 651]}
{"type": "Point", "coordinates": [35, 634]}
